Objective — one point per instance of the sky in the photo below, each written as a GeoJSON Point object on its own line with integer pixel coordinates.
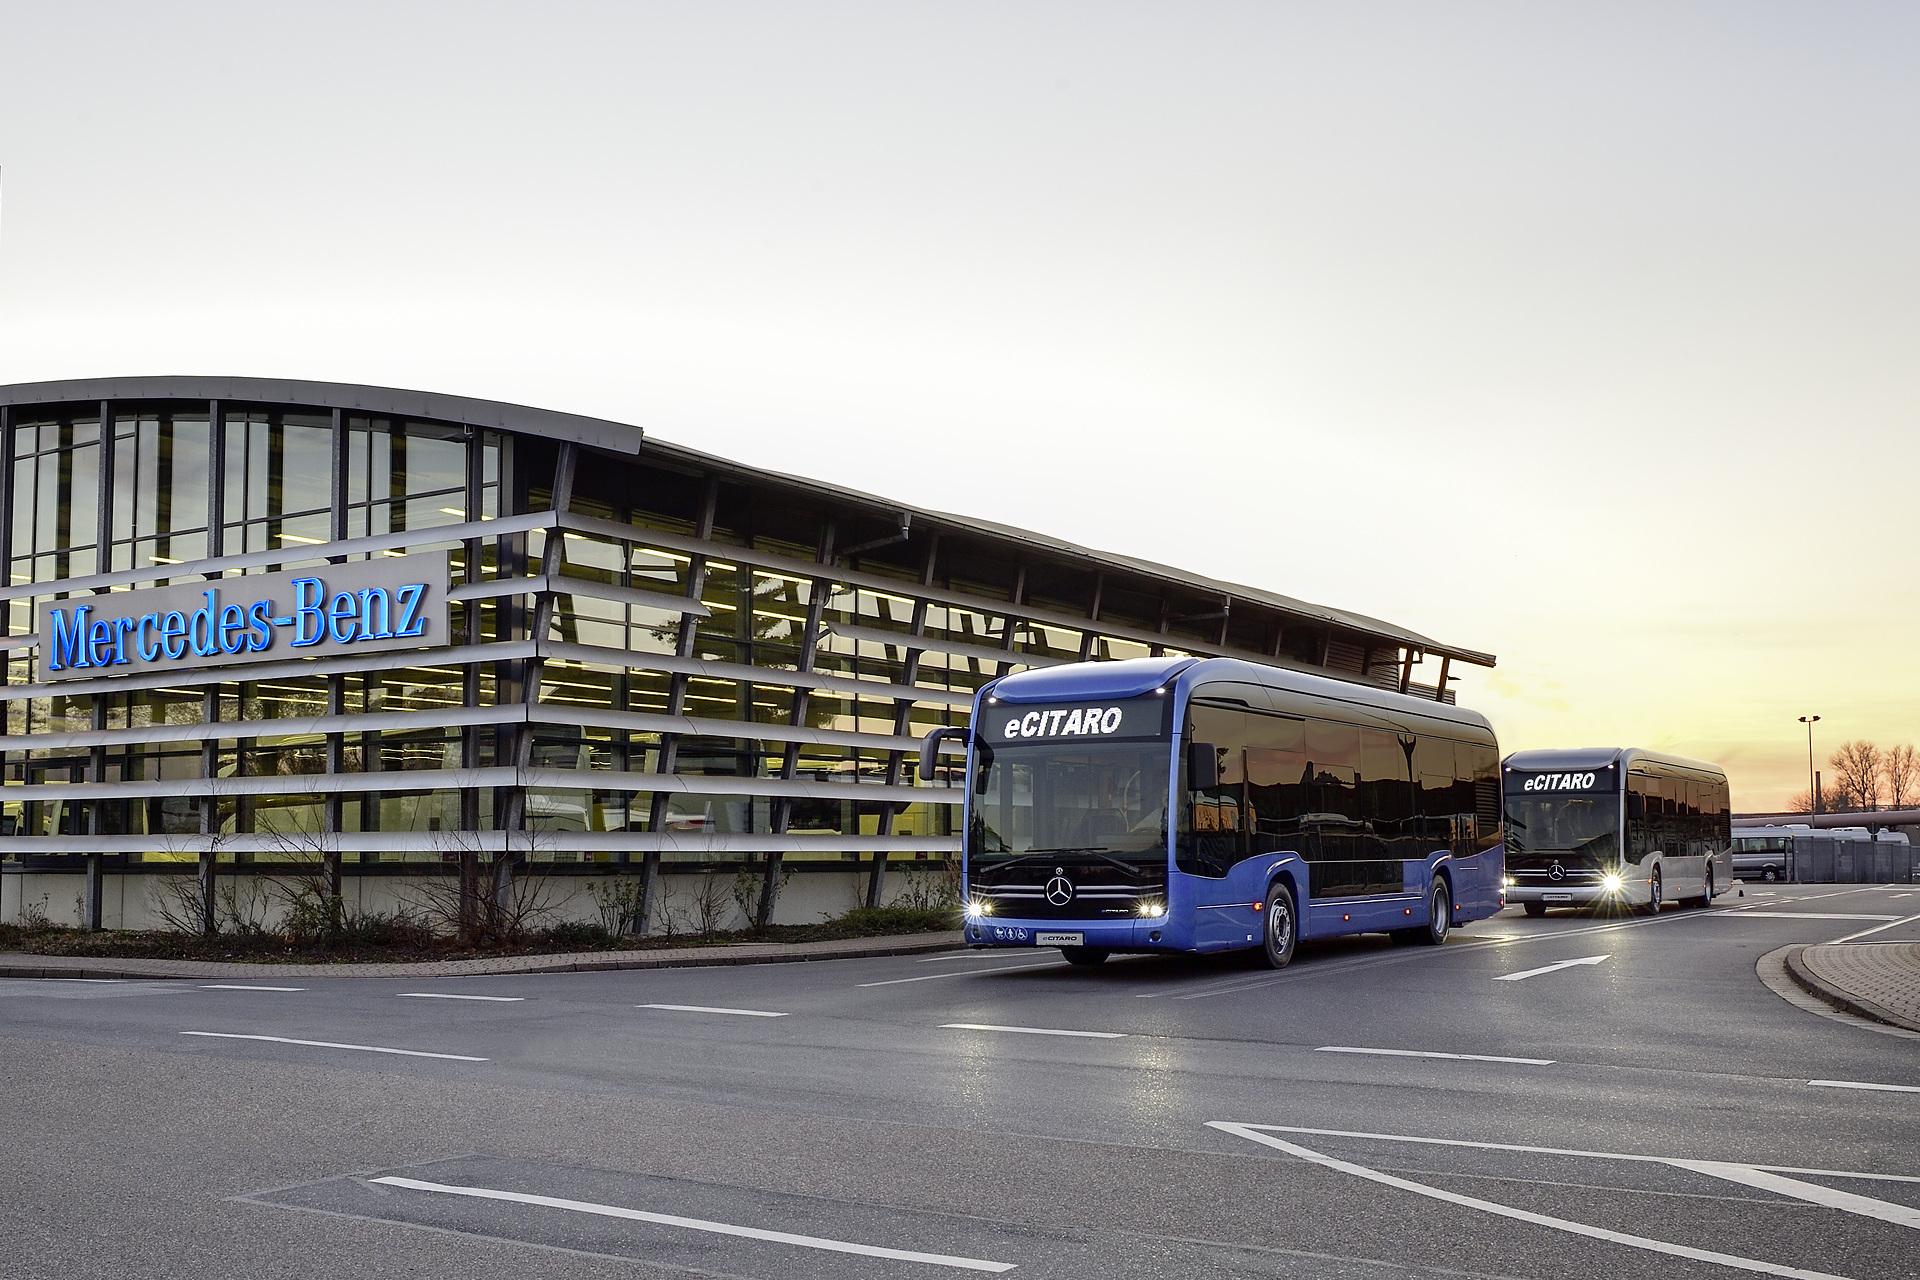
{"type": "Point", "coordinates": [1586, 335]}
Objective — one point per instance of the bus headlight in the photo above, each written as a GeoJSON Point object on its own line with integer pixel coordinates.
{"type": "Point", "coordinates": [1153, 907]}
{"type": "Point", "coordinates": [979, 908]}
{"type": "Point", "coordinates": [1507, 882]}
{"type": "Point", "coordinates": [1611, 883]}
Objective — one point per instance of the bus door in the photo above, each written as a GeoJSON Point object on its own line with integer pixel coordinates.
{"type": "Point", "coordinates": [1215, 856]}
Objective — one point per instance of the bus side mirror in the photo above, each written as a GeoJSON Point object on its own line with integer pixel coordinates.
{"type": "Point", "coordinates": [1203, 766]}
{"type": "Point", "coordinates": [930, 748]}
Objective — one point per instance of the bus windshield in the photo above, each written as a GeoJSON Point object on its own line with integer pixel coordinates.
{"type": "Point", "coordinates": [1107, 799]}
{"type": "Point", "coordinates": [1577, 824]}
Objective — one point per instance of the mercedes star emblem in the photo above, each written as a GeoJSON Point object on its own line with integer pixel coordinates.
{"type": "Point", "coordinates": [1556, 872]}
{"type": "Point", "coordinates": [1059, 891]}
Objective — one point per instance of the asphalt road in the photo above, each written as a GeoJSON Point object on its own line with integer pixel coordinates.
{"type": "Point", "coordinates": [1480, 1109]}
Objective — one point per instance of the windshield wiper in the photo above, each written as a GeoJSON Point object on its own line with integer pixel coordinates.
{"type": "Point", "coordinates": [1103, 853]}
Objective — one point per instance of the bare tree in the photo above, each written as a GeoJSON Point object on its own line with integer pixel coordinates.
{"type": "Point", "coordinates": [1856, 774]}
{"type": "Point", "coordinates": [1901, 768]}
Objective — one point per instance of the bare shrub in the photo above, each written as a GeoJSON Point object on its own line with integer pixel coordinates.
{"type": "Point", "coordinates": [618, 902]}
{"type": "Point", "coordinates": [930, 886]}
{"type": "Point", "coordinates": [522, 910]}
{"type": "Point", "coordinates": [704, 912]}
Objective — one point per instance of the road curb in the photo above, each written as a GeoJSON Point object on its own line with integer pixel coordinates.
{"type": "Point", "coordinates": [18, 965]}
{"type": "Point", "coordinates": [1847, 1001]}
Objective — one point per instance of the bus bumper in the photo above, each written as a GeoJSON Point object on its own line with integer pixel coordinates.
{"type": "Point", "coordinates": [1629, 893]}
{"type": "Point", "coordinates": [1150, 933]}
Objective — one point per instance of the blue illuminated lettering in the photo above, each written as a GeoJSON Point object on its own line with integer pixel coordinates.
{"type": "Point", "coordinates": [67, 648]}
{"type": "Point", "coordinates": [412, 621]}
{"type": "Point", "coordinates": [368, 598]}
{"type": "Point", "coordinates": [203, 639]}
{"type": "Point", "coordinates": [233, 628]}
{"type": "Point", "coordinates": [260, 628]}
{"type": "Point", "coordinates": [148, 651]}
{"type": "Point", "coordinates": [307, 595]}
{"type": "Point", "coordinates": [173, 634]}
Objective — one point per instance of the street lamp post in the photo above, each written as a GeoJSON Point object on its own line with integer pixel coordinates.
{"type": "Point", "coordinates": [1811, 800]}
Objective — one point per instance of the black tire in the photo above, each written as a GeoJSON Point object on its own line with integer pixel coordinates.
{"type": "Point", "coordinates": [1439, 915]}
{"type": "Point", "coordinates": [1281, 928]}
{"type": "Point", "coordinates": [1705, 899]}
{"type": "Point", "coordinates": [1770, 875]}
{"type": "Point", "coordinates": [1086, 957]}
{"type": "Point", "coordinates": [1534, 909]}
{"type": "Point", "coordinates": [1653, 886]}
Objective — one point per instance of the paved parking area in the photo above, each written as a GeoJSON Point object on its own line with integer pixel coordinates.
{"type": "Point", "coordinates": [1565, 1097]}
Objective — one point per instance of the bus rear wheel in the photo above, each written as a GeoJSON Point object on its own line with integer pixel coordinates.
{"type": "Point", "coordinates": [1086, 957]}
{"type": "Point", "coordinates": [1282, 928]}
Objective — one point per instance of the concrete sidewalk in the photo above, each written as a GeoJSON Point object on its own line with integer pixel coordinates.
{"type": "Point", "coordinates": [1877, 980]}
{"type": "Point", "coordinates": [14, 964]}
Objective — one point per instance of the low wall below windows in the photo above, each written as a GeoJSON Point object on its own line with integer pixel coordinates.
{"type": "Point", "coordinates": [714, 899]}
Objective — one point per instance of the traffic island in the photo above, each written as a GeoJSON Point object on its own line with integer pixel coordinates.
{"type": "Point", "coordinates": [1875, 980]}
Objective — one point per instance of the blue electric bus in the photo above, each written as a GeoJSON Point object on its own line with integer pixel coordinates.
{"type": "Point", "coordinates": [1197, 805]}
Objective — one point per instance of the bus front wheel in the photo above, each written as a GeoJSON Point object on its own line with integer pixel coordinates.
{"type": "Point", "coordinates": [1534, 909]}
{"type": "Point", "coordinates": [1282, 930]}
{"type": "Point", "coordinates": [1087, 956]}
{"type": "Point", "coordinates": [1653, 893]}
{"type": "Point", "coordinates": [1439, 915]}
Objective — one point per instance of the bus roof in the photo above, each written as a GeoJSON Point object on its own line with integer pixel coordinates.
{"type": "Point", "coordinates": [1138, 676]}
{"type": "Point", "coordinates": [1567, 759]}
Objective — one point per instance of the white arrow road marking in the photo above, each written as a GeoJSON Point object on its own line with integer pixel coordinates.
{"type": "Point", "coordinates": [1812, 1193]}
{"type": "Point", "coordinates": [1427, 1053]}
{"type": "Point", "coordinates": [701, 1224]}
{"type": "Point", "coordinates": [328, 1044]}
{"type": "Point", "coordinates": [1548, 968]}
{"type": "Point", "coordinates": [1521, 1215]}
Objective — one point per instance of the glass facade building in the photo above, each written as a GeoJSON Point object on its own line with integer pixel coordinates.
{"type": "Point", "coordinates": [651, 660]}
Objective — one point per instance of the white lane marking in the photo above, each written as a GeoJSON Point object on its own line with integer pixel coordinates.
{"type": "Point", "coordinates": [929, 977]}
{"type": "Point", "coordinates": [1861, 1084]}
{"type": "Point", "coordinates": [1846, 1201]}
{"type": "Point", "coordinates": [234, 986]}
{"type": "Point", "coordinates": [980, 953]}
{"type": "Point", "coordinates": [1894, 924]}
{"type": "Point", "coordinates": [1749, 913]}
{"type": "Point", "coordinates": [1521, 1215]}
{"type": "Point", "coordinates": [706, 1008]}
{"type": "Point", "coordinates": [1424, 1053]}
{"type": "Point", "coordinates": [700, 1224]}
{"type": "Point", "coordinates": [449, 995]}
{"type": "Point", "coordinates": [1568, 1151]}
{"type": "Point", "coordinates": [1548, 968]}
{"type": "Point", "coordinates": [1032, 1031]}
{"type": "Point", "coordinates": [328, 1044]}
